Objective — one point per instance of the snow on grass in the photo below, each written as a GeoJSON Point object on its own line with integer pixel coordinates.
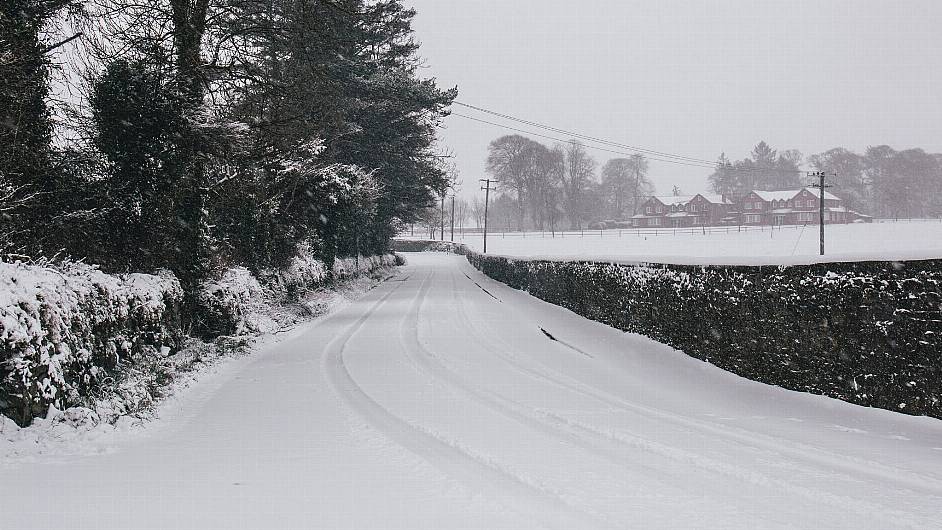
{"type": "Point", "coordinates": [789, 245]}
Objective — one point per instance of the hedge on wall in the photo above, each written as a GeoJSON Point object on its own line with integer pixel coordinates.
{"type": "Point", "coordinates": [428, 245]}
{"type": "Point", "coordinates": [236, 302]}
{"type": "Point", "coordinates": [863, 332]}
{"type": "Point", "coordinates": [65, 328]}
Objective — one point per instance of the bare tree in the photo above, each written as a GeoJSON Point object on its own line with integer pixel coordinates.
{"type": "Point", "coordinates": [577, 179]}
{"type": "Point", "coordinates": [510, 160]}
{"type": "Point", "coordinates": [624, 182]}
{"type": "Point", "coordinates": [477, 212]}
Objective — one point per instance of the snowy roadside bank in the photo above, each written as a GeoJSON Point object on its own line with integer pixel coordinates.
{"type": "Point", "coordinates": [869, 333]}
{"type": "Point", "coordinates": [137, 386]}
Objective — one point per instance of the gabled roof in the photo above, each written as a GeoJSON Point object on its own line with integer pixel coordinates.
{"type": "Point", "coordinates": [785, 195]}
{"type": "Point", "coordinates": [715, 199]}
{"type": "Point", "coordinates": [827, 194]}
{"type": "Point", "coordinates": [671, 200]}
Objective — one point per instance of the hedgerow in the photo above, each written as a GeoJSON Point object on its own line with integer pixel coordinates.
{"type": "Point", "coordinates": [863, 332]}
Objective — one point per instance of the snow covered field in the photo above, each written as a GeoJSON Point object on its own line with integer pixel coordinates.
{"type": "Point", "coordinates": [903, 240]}
{"type": "Point", "coordinates": [436, 401]}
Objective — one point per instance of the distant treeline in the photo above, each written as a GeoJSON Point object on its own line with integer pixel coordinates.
{"type": "Point", "coordinates": [563, 187]}
{"type": "Point", "coordinates": [212, 133]}
{"type": "Point", "coordinates": [882, 182]}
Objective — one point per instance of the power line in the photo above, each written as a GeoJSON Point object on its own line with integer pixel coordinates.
{"type": "Point", "coordinates": [658, 156]}
{"type": "Point", "coordinates": [584, 136]}
{"type": "Point", "coordinates": [700, 165]}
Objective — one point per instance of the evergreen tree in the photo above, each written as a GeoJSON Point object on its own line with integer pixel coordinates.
{"type": "Point", "coordinates": [27, 175]}
{"type": "Point", "coordinates": [138, 123]}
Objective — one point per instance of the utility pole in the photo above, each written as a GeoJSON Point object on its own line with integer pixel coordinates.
{"type": "Point", "coordinates": [452, 217]}
{"type": "Point", "coordinates": [487, 194]}
{"type": "Point", "coordinates": [820, 175]}
{"type": "Point", "coordinates": [443, 216]}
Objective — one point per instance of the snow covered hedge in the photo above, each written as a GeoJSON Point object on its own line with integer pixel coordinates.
{"type": "Point", "coordinates": [238, 303]}
{"type": "Point", "coordinates": [865, 332]}
{"type": "Point", "coordinates": [66, 328]}
{"type": "Point", "coordinates": [423, 245]}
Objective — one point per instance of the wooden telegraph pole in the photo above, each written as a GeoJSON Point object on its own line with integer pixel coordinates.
{"type": "Point", "coordinates": [820, 175]}
{"type": "Point", "coordinates": [452, 216]}
{"type": "Point", "coordinates": [487, 194]}
{"type": "Point", "coordinates": [443, 217]}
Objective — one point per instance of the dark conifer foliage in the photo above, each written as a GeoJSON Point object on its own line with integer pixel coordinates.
{"type": "Point", "coordinates": [221, 133]}
{"type": "Point", "coordinates": [138, 122]}
{"type": "Point", "coordinates": [25, 123]}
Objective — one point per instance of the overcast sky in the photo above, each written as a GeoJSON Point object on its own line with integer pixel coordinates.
{"type": "Point", "coordinates": [691, 78]}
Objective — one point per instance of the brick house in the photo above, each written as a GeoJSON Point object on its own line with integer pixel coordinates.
{"type": "Point", "coordinates": [681, 211]}
{"type": "Point", "coordinates": [790, 207]}
{"type": "Point", "coordinates": [757, 208]}
{"type": "Point", "coordinates": [708, 210]}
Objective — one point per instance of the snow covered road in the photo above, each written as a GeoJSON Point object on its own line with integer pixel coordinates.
{"type": "Point", "coordinates": [445, 400]}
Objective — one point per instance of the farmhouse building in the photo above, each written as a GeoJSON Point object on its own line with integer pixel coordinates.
{"type": "Point", "coordinates": [756, 208]}
{"type": "Point", "coordinates": [681, 211]}
{"type": "Point", "coordinates": [791, 207]}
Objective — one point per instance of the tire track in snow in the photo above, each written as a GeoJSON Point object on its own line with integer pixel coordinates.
{"type": "Point", "coordinates": [748, 439]}
{"type": "Point", "coordinates": [549, 425]}
{"type": "Point", "coordinates": [449, 456]}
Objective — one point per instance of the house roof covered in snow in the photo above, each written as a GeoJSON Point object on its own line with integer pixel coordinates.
{"type": "Point", "coordinates": [827, 194]}
{"type": "Point", "coordinates": [714, 198]}
{"type": "Point", "coordinates": [672, 200]}
{"type": "Point", "coordinates": [784, 195]}
{"type": "Point", "coordinates": [781, 195]}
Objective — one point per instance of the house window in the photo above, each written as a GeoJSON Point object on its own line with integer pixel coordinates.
{"type": "Point", "coordinates": [660, 209]}
{"type": "Point", "coordinates": [648, 209]}
{"type": "Point", "coordinates": [805, 217]}
{"type": "Point", "coordinates": [811, 203]}
{"type": "Point", "coordinates": [752, 218]}
{"type": "Point", "coordinates": [656, 221]}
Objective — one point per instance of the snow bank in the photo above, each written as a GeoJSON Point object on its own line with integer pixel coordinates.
{"type": "Point", "coordinates": [65, 328]}
{"type": "Point", "coordinates": [865, 332]}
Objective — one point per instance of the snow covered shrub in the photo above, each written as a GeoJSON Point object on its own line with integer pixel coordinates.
{"type": "Point", "coordinates": [65, 328]}
{"type": "Point", "coordinates": [863, 332]}
{"type": "Point", "coordinates": [349, 267]}
{"type": "Point", "coordinates": [237, 303]}
{"type": "Point", "coordinates": [233, 304]}
{"type": "Point", "coordinates": [413, 245]}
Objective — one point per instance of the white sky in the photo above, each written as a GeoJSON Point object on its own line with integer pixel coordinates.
{"type": "Point", "coordinates": [691, 78]}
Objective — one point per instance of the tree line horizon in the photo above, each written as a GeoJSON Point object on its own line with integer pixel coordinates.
{"type": "Point", "coordinates": [563, 187]}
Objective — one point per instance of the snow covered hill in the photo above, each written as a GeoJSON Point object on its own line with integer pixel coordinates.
{"type": "Point", "coordinates": [446, 400]}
